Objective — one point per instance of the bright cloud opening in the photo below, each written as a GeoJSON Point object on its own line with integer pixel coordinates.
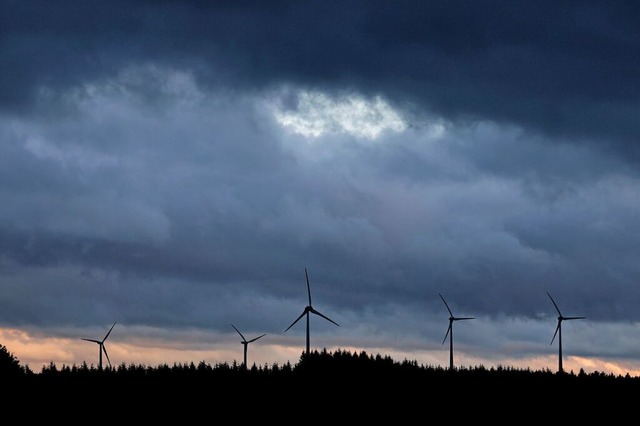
{"type": "Point", "coordinates": [317, 113]}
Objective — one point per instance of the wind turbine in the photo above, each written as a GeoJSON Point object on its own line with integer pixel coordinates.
{"type": "Point", "coordinates": [450, 331]}
{"type": "Point", "coordinates": [309, 310]}
{"type": "Point", "coordinates": [559, 332]}
{"type": "Point", "coordinates": [245, 343]}
{"type": "Point", "coordinates": [101, 347]}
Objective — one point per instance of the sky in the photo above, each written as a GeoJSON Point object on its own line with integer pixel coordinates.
{"type": "Point", "coordinates": [178, 169]}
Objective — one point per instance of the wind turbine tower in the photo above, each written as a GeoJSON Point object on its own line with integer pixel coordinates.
{"type": "Point", "coordinates": [450, 331]}
{"type": "Point", "coordinates": [559, 332]}
{"type": "Point", "coordinates": [309, 310]}
{"type": "Point", "coordinates": [101, 347]}
{"type": "Point", "coordinates": [245, 343]}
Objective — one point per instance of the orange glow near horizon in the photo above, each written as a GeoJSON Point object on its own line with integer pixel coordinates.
{"type": "Point", "coordinates": [39, 352]}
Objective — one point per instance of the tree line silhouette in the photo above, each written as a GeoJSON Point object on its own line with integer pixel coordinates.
{"type": "Point", "coordinates": [339, 364]}
{"type": "Point", "coordinates": [360, 385]}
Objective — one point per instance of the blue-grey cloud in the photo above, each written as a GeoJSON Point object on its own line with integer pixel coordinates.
{"type": "Point", "coordinates": [177, 166]}
{"type": "Point", "coordinates": [564, 69]}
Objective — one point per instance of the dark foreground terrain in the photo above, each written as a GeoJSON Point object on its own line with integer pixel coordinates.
{"type": "Point", "coordinates": [323, 386]}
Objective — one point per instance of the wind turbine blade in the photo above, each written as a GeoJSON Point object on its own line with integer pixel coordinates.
{"type": "Point", "coordinates": [92, 340]}
{"type": "Point", "coordinates": [323, 316]}
{"type": "Point", "coordinates": [554, 303]}
{"type": "Point", "coordinates": [446, 334]}
{"type": "Point", "coordinates": [308, 286]}
{"type": "Point", "coordinates": [297, 319]}
{"type": "Point", "coordinates": [463, 318]}
{"type": "Point", "coordinates": [570, 318]}
{"type": "Point", "coordinates": [256, 338]}
{"type": "Point", "coordinates": [234, 327]}
{"type": "Point", "coordinates": [554, 334]}
{"type": "Point", "coordinates": [445, 304]}
{"type": "Point", "coordinates": [104, 349]}
{"type": "Point", "coordinates": [109, 332]}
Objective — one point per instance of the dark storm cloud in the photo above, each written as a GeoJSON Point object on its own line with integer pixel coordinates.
{"type": "Point", "coordinates": [566, 68]}
{"type": "Point", "coordinates": [196, 189]}
{"type": "Point", "coordinates": [155, 170]}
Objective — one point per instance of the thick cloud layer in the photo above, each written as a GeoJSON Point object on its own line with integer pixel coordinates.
{"type": "Point", "coordinates": [565, 68]}
{"type": "Point", "coordinates": [177, 165]}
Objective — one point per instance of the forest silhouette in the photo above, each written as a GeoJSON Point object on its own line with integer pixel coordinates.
{"type": "Point", "coordinates": [371, 385]}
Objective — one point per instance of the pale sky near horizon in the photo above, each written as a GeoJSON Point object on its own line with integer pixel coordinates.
{"type": "Point", "coordinates": [174, 167]}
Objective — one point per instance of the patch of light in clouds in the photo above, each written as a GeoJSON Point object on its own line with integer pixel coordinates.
{"type": "Point", "coordinates": [317, 113]}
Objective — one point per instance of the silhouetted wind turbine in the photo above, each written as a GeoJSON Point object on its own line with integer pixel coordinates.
{"type": "Point", "coordinates": [309, 309]}
{"type": "Point", "coordinates": [559, 332]}
{"type": "Point", "coordinates": [101, 347]}
{"type": "Point", "coordinates": [245, 343]}
{"type": "Point", "coordinates": [450, 331]}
